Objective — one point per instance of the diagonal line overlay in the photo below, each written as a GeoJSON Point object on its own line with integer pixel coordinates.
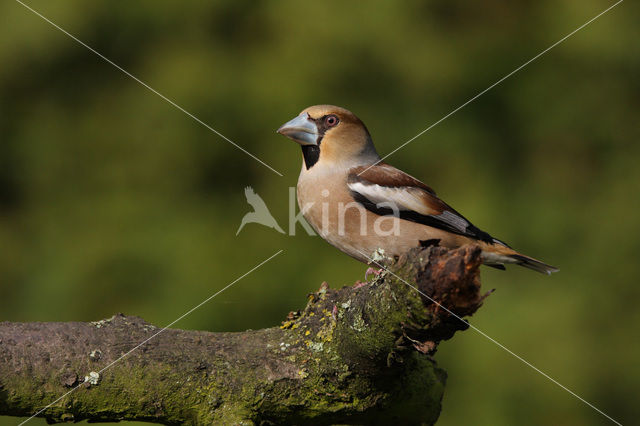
{"type": "Point", "coordinates": [157, 333]}
{"type": "Point", "coordinates": [150, 88]}
{"type": "Point", "coordinates": [494, 85]}
{"type": "Point", "coordinates": [500, 345]}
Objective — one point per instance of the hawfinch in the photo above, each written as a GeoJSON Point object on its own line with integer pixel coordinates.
{"type": "Point", "coordinates": [363, 206]}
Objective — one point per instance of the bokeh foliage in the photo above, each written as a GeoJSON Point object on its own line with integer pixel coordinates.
{"type": "Point", "coordinates": [112, 200]}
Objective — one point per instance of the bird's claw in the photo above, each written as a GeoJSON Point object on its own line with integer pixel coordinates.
{"type": "Point", "coordinates": [373, 271]}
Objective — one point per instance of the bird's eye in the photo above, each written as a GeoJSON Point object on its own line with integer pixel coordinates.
{"type": "Point", "coordinates": [331, 120]}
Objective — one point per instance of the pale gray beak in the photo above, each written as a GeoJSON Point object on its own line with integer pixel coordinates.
{"type": "Point", "coordinates": [301, 129]}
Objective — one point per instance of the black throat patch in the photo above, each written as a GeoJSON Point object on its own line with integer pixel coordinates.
{"type": "Point", "coordinates": [311, 155]}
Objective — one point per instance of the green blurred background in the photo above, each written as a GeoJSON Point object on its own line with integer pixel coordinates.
{"type": "Point", "coordinates": [112, 200]}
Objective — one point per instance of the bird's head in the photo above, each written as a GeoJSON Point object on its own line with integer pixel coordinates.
{"type": "Point", "coordinates": [331, 135]}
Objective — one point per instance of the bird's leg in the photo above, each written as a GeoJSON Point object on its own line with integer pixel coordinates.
{"type": "Point", "coordinates": [359, 284]}
{"type": "Point", "coordinates": [369, 271]}
{"type": "Point", "coordinates": [373, 271]}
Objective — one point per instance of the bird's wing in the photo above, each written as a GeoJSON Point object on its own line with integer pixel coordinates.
{"type": "Point", "coordinates": [385, 190]}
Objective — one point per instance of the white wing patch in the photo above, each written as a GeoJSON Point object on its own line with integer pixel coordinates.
{"type": "Point", "coordinates": [409, 199]}
{"type": "Point", "coordinates": [403, 197]}
{"type": "Point", "coordinates": [416, 204]}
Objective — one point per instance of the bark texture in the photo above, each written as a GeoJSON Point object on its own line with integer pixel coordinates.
{"type": "Point", "coordinates": [356, 355]}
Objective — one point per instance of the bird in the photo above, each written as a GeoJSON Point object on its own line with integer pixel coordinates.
{"type": "Point", "coordinates": [260, 214]}
{"type": "Point", "coordinates": [365, 207]}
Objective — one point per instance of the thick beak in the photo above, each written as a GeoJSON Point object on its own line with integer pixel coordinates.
{"type": "Point", "coordinates": [301, 129]}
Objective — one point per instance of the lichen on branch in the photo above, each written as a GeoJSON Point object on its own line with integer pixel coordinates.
{"type": "Point", "coordinates": [360, 354]}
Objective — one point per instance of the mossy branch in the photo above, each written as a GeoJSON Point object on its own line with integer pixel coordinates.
{"type": "Point", "coordinates": [359, 354]}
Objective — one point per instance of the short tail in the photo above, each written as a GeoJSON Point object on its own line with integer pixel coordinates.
{"type": "Point", "coordinates": [497, 255]}
{"type": "Point", "coordinates": [531, 263]}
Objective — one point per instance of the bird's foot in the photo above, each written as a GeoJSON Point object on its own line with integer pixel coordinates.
{"type": "Point", "coordinates": [359, 284]}
{"type": "Point", "coordinates": [373, 271]}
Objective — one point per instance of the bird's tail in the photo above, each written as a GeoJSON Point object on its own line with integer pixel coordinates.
{"type": "Point", "coordinates": [536, 265]}
{"type": "Point", "coordinates": [495, 254]}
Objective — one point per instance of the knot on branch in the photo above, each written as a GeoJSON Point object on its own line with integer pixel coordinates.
{"type": "Point", "coordinates": [449, 285]}
{"type": "Point", "coordinates": [432, 288]}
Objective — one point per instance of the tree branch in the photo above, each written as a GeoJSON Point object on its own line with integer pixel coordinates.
{"type": "Point", "coordinates": [359, 354]}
